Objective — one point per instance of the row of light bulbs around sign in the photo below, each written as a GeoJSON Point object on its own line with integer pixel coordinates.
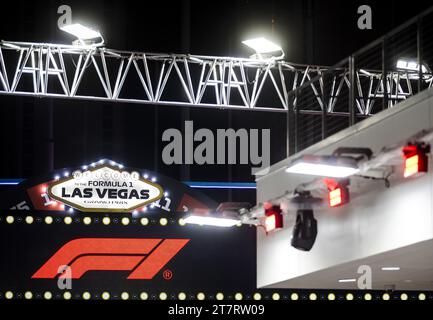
{"type": "Point", "coordinates": [28, 295]}
{"type": "Point", "coordinates": [101, 162]}
{"type": "Point", "coordinates": [88, 220]}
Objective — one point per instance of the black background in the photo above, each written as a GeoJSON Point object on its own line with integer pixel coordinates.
{"type": "Point", "coordinates": [214, 260]}
{"type": "Point", "coordinates": [312, 31]}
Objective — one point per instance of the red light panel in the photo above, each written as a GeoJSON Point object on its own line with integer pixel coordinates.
{"type": "Point", "coordinates": [415, 164]}
{"type": "Point", "coordinates": [338, 196]}
{"type": "Point", "coordinates": [335, 197]}
{"type": "Point", "coordinates": [273, 219]}
{"type": "Point", "coordinates": [270, 223]}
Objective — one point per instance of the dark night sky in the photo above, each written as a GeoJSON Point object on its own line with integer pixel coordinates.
{"type": "Point", "coordinates": [317, 32]}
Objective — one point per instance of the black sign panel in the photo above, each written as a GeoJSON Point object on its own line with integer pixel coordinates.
{"type": "Point", "coordinates": [108, 257]}
{"type": "Point", "coordinates": [48, 245]}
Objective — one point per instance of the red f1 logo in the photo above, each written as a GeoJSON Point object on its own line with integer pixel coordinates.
{"type": "Point", "coordinates": [143, 257]}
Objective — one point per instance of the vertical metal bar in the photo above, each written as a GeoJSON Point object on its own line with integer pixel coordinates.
{"type": "Point", "coordinates": [47, 67]}
{"type": "Point", "coordinates": [419, 52]}
{"type": "Point", "coordinates": [352, 90]}
{"type": "Point", "coordinates": [32, 57]}
{"type": "Point", "coordinates": [391, 87]}
{"type": "Point", "coordinates": [245, 84]}
{"type": "Point", "coordinates": [384, 75]}
{"type": "Point", "coordinates": [324, 109]}
{"type": "Point", "coordinates": [238, 86]}
{"type": "Point", "coordinates": [229, 81]}
{"type": "Point", "coordinates": [41, 70]}
{"type": "Point", "coordinates": [288, 126]}
{"type": "Point", "coordinates": [222, 89]}
{"type": "Point", "coordinates": [296, 124]}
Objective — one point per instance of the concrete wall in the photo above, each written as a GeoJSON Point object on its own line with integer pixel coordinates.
{"type": "Point", "coordinates": [376, 220]}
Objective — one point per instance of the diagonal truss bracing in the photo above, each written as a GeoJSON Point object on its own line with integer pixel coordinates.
{"type": "Point", "coordinates": [53, 70]}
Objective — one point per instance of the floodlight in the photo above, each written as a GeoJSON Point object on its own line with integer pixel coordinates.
{"type": "Point", "coordinates": [346, 280]}
{"type": "Point", "coordinates": [396, 268]}
{"type": "Point", "coordinates": [227, 214]}
{"type": "Point", "coordinates": [264, 48]}
{"type": "Point", "coordinates": [83, 33]}
{"type": "Point", "coordinates": [211, 220]}
{"type": "Point", "coordinates": [262, 45]}
{"type": "Point", "coordinates": [410, 65]}
{"type": "Point", "coordinates": [80, 31]}
{"type": "Point", "coordinates": [325, 166]}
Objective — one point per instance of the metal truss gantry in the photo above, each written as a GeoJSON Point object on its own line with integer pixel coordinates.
{"type": "Point", "coordinates": [56, 70]}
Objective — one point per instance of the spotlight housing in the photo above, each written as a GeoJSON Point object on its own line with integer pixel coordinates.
{"type": "Point", "coordinates": [305, 230]}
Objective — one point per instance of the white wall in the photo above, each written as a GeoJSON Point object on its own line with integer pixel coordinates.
{"type": "Point", "coordinates": [376, 220]}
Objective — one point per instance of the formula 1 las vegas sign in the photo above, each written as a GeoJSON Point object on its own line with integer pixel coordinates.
{"type": "Point", "coordinates": [105, 188]}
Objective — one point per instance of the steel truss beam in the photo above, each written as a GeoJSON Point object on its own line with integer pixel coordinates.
{"type": "Point", "coordinates": [59, 71]}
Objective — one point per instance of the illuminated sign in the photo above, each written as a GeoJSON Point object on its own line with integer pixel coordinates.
{"type": "Point", "coordinates": [105, 188]}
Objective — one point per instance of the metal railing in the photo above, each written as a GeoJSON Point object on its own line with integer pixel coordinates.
{"type": "Point", "coordinates": [370, 80]}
